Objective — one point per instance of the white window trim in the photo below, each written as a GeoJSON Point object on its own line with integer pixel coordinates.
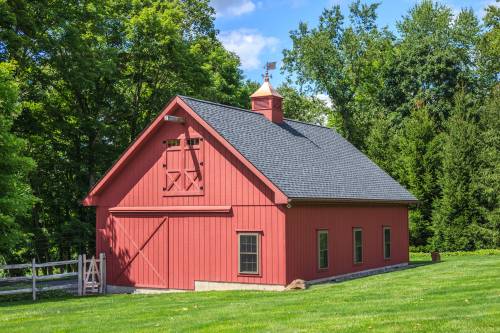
{"type": "Point", "coordinates": [257, 234]}
{"type": "Point", "coordinates": [354, 245]}
{"type": "Point", "coordinates": [318, 237]}
{"type": "Point", "coordinates": [390, 242]}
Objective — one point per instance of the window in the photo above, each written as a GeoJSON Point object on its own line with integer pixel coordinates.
{"type": "Point", "coordinates": [322, 249]}
{"type": "Point", "coordinates": [387, 242]}
{"type": "Point", "coordinates": [358, 245]}
{"type": "Point", "coordinates": [173, 143]}
{"type": "Point", "coordinates": [192, 142]}
{"type": "Point", "coordinates": [248, 247]}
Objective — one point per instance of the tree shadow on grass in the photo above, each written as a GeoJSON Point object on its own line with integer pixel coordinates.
{"type": "Point", "coordinates": [43, 297]}
{"type": "Point", "coordinates": [418, 263]}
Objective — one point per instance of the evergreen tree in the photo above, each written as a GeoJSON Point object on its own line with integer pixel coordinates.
{"type": "Point", "coordinates": [488, 173]}
{"type": "Point", "coordinates": [459, 219]}
{"type": "Point", "coordinates": [416, 166]}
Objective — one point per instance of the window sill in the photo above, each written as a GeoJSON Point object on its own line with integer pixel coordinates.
{"type": "Point", "coordinates": [249, 274]}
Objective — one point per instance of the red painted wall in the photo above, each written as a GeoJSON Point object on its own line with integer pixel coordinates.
{"type": "Point", "coordinates": [302, 223]}
{"type": "Point", "coordinates": [173, 250]}
{"type": "Point", "coordinates": [177, 249]}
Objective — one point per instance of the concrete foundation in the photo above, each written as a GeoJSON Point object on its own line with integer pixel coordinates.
{"type": "Point", "coordinates": [111, 289]}
{"type": "Point", "coordinates": [209, 285]}
{"type": "Point", "coordinates": [349, 276]}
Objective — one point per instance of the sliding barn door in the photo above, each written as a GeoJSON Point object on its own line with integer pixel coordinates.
{"type": "Point", "coordinates": [139, 251]}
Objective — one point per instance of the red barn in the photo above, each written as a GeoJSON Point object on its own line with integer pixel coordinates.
{"type": "Point", "coordinates": [211, 196]}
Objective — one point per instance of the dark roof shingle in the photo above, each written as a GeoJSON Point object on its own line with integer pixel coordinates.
{"type": "Point", "coordinates": [303, 160]}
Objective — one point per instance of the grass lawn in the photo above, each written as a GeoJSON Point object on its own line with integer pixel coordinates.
{"type": "Point", "coordinates": [460, 294]}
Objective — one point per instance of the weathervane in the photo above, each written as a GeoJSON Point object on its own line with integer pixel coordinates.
{"type": "Point", "coordinates": [269, 67]}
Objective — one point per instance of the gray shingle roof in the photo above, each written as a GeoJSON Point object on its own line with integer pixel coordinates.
{"type": "Point", "coordinates": [303, 160]}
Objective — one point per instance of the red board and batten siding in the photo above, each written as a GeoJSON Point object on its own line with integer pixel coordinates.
{"type": "Point", "coordinates": [189, 246]}
{"type": "Point", "coordinates": [227, 181]}
{"type": "Point", "coordinates": [303, 222]}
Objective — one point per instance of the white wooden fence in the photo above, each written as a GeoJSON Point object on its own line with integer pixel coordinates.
{"type": "Point", "coordinates": [91, 276]}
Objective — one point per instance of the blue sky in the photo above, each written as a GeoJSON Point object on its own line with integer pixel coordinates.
{"type": "Point", "coordinates": [258, 30]}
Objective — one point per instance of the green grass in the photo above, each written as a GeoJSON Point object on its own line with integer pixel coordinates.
{"type": "Point", "coordinates": [460, 294]}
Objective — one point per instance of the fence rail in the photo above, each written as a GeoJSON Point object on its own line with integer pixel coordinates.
{"type": "Point", "coordinates": [86, 279]}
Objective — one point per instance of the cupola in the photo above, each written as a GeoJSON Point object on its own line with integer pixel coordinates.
{"type": "Point", "coordinates": [267, 101]}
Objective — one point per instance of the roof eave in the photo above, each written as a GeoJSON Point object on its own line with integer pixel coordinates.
{"type": "Point", "coordinates": [306, 200]}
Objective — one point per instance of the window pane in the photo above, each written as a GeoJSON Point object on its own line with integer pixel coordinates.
{"type": "Point", "coordinates": [358, 236]}
{"type": "Point", "coordinates": [248, 243]}
{"type": "Point", "coordinates": [358, 246]}
{"type": "Point", "coordinates": [323, 241]}
{"type": "Point", "coordinates": [173, 142]}
{"type": "Point", "coordinates": [248, 262]}
{"type": "Point", "coordinates": [387, 243]}
{"type": "Point", "coordinates": [359, 254]}
{"type": "Point", "coordinates": [323, 249]}
{"type": "Point", "coordinates": [193, 142]}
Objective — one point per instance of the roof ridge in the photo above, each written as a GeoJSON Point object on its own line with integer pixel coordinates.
{"type": "Point", "coordinates": [220, 104]}
{"type": "Point", "coordinates": [250, 111]}
{"type": "Point", "coordinates": [311, 124]}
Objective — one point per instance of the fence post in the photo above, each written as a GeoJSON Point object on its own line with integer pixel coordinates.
{"type": "Point", "coordinates": [33, 278]}
{"type": "Point", "coordinates": [84, 274]}
{"type": "Point", "coordinates": [104, 282]}
{"type": "Point", "coordinates": [80, 272]}
{"type": "Point", "coordinates": [100, 272]}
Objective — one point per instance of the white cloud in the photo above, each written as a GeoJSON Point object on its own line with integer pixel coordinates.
{"type": "Point", "coordinates": [326, 99]}
{"type": "Point", "coordinates": [233, 7]}
{"type": "Point", "coordinates": [248, 44]}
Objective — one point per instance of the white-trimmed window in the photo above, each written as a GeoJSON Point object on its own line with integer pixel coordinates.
{"type": "Point", "coordinates": [322, 249]}
{"type": "Point", "coordinates": [248, 252]}
{"type": "Point", "coordinates": [357, 235]}
{"type": "Point", "coordinates": [387, 242]}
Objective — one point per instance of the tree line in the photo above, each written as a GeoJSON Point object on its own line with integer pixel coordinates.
{"type": "Point", "coordinates": [80, 79]}
{"type": "Point", "coordinates": [422, 102]}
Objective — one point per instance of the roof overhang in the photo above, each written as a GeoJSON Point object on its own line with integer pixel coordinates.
{"type": "Point", "coordinates": [92, 197]}
{"type": "Point", "coordinates": [343, 201]}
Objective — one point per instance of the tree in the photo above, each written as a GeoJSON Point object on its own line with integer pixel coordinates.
{"type": "Point", "coordinates": [16, 197]}
{"type": "Point", "coordinates": [459, 220]}
{"type": "Point", "coordinates": [488, 174]}
{"type": "Point", "coordinates": [434, 57]}
{"type": "Point", "coordinates": [343, 62]}
{"type": "Point", "coordinates": [93, 75]}
{"type": "Point", "coordinates": [489, 48]}
{"type": "Point", "coordinates": [417, 165]}
{"type": "Point", "coordinates": [305, 108]}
